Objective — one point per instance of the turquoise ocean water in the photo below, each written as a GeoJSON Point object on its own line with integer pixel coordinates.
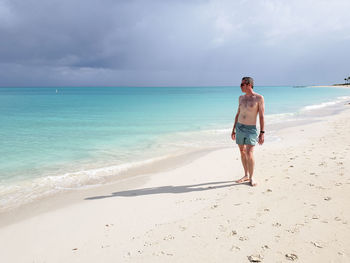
{"type": "Point", "coordinates": [53, 139]}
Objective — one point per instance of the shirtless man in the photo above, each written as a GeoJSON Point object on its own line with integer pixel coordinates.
{"type": "Point", "coordinates": [244, 130]}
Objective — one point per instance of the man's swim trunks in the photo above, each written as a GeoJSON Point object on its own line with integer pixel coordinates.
{"type": "Point", "coordinates": [246, 134]}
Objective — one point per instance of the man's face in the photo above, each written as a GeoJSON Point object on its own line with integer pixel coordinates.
{"type": "Point", "coordinates": [244, 86]}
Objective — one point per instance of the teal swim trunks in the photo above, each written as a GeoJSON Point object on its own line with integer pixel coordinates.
{"type": "Point", "coordinates": [246, 134]}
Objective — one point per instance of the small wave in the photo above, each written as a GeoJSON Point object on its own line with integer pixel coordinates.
{"type": "Point", "coordinates": [325, 104]}
{"type": "Point", "coordinates": [12, 196]}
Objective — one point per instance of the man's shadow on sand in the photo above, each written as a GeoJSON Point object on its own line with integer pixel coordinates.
{"type": "Point", "coordinates": [170, 189]}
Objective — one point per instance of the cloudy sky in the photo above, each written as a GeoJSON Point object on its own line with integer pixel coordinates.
{"type": "Point", "coordinates": [173, 43]}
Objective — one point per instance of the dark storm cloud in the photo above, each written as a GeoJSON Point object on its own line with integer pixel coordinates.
{"type": "Point", "coordinates": [172, 42]}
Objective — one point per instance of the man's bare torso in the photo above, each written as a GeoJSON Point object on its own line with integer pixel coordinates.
{"type": "Point", "coordinates": [249, 108]}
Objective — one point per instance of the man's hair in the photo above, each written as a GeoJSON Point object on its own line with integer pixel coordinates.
{"type": "Point", "coordinates": [248, 80]}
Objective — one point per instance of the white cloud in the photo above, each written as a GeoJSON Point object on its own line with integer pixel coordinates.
{"type": "Point", "coordinates": [276, 21]}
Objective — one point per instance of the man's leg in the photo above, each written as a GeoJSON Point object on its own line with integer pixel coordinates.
{"type": "Point", "coordinates": [250, 162]}
{"type": "Point", "coordinates": [243, 151]}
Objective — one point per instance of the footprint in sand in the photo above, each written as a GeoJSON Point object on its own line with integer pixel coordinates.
{"type": "Point", "coordinates": [316, 244]}
{"type": "Point", "coordinates": [147, 244]}
{"type": "Point", "coordinates": [105, 246]}
{"type": "Point", "coordinates": [243, 238]}
{"type": "Point", "coordinates": [293, 230]}
{"type": "Point", "coordinates": [222, 228]}
{"type": "Point", "coordinates": [255, 258]}
{"type": "Point", "coordinates": [277, 238]}
{"type": "Point", "coordinates": [235, 248]}
{"type": "Point", "coordinates": [182, 228]}
{"type": "Point", "coordinates": [169, 237]}
{"type": "Point", "coordinates": [291, 257]}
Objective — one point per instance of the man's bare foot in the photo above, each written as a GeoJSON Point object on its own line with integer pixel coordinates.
{"type": "Point", "coordinates": [244, 179]}
{"type": "Point", "coordinates": [252, 182]}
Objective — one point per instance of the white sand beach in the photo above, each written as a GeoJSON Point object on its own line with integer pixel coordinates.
{"type": "Point", "coordinates": [332, 86]}
{"type": "Point", "coordinates": [196, 213]}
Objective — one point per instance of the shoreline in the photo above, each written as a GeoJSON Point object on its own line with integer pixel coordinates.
{"type": "Point", "coordinates": [163, 164]}
{"type": "Point", "coordinates": [134, 177]}
{"type": "Point", "coordinates": [331, 86]}
{"type": "Point", "coordinates": [42, 181]}
{"type": "Point", "coordinates": [299, 207]}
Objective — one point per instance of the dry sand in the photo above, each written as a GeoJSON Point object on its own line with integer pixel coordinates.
{"type": "Point", "coordinates": [196, 213]}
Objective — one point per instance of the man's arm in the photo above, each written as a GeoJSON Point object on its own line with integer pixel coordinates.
{"type": "Point", "coordinates": [261, 120]}
{"type": "Point", "coordinates": [233, 134]}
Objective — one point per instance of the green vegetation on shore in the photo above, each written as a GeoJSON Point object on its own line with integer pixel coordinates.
{"type": "Point", "coordinates": [347, 80]}
{"type": "Point", "coordinates": [346, 83]}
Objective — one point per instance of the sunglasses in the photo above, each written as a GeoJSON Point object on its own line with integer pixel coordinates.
{"type": "Point", "coordinates": [243, 84]}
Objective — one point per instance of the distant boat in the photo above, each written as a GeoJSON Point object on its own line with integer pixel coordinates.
{"type": "Point", "coordinates": [56, 91]}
